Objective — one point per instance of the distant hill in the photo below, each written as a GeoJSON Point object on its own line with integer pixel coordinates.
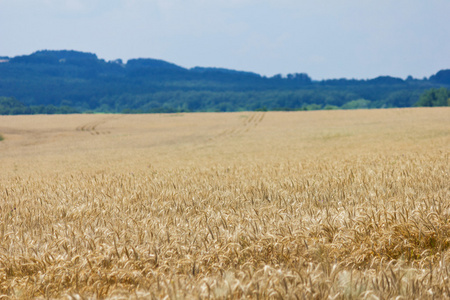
{"type": "Point", "coordinates": [442, 77]}
{"type": "Point", "coordinates": [72, 81]}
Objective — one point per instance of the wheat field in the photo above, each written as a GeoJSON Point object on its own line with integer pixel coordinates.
{"type": "Point", "coordinates": [257, 205]}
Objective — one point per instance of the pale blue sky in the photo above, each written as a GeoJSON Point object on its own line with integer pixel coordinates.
{"type": "Point", "coordinates": [324, 38]}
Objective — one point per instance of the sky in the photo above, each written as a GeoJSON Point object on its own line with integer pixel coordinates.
{"type": "Point", "coordinates": [324, 38]}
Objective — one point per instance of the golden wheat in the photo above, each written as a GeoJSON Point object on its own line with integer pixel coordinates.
{"type": "Point", "coordinates": [338, 205]}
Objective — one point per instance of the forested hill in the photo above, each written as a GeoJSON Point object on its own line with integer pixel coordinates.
{"type": "Point", "coordinates": [71, 81]}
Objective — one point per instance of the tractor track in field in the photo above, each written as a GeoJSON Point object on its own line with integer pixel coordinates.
{"type": "Point", "coordinates": [93, 127]}
{"type": "Point", "coordinates": [249, 123]}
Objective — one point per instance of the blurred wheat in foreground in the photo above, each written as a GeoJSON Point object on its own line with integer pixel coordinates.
{"type": "Point", "coordinates": [307, 205]}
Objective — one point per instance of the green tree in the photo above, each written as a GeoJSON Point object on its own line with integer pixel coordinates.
{"type": "Point", "coordinates": [357, 104]}
{"type": "Point", "coordinates": [11, 106]}
{"type": "Point", "coordinates": [434, 97]}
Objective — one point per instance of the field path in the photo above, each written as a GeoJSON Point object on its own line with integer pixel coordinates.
{"type": "Point", "coordinates": [91, 127]}
{"type": "Point", "coordinates": [248, 123]}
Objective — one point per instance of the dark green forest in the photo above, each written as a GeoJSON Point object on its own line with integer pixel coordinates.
{"type": "Point", "coordinates": [59, 82]}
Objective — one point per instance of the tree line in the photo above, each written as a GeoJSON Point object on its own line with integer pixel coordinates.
{"type": "Point", "coordinates": [47, 82]}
